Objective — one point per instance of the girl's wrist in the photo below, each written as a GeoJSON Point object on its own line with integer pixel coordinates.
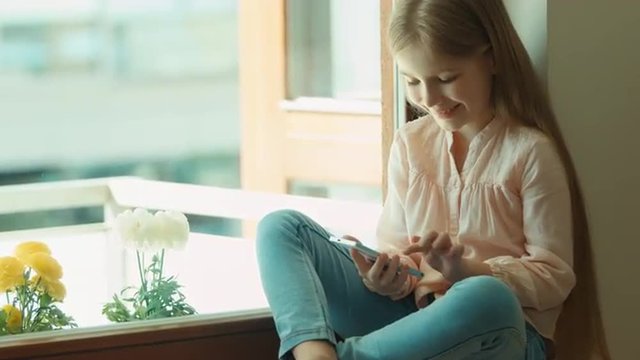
{"type": "Point", "coordinates": [471, 268]}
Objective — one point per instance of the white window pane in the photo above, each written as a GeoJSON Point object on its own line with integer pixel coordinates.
{"type": "Point", "coordinates": [333, 49]}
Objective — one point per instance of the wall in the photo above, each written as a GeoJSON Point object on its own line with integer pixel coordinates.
{"type": "Point", "coordinates": [589, 57]}
{"type": "Point", "coordinates": [529, 17]}
{"type": "Point", "coordinates": [594, 80]}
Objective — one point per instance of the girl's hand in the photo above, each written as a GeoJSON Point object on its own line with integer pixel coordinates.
{"type": "Point", "coordinates": [444, 256]}
{"type": "Point", "coordinates": [382, 276]}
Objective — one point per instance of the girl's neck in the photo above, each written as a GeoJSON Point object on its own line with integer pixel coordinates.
{"type": "Point", "coordinates": [473, 128]}
{"type": "Point", "coordinates": [459, 150]}
{"type": "Point", "coordinates": [463, 137]}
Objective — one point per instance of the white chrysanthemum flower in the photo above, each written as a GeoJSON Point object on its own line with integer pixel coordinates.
{"type": "Point", "coordinates": [143, 231]}
{"type": "Point", "coordinates": [131, 227]}
{"type": "Point", "coordinates": [175, 229]}
{"type": "Point", "coordinates": [128, 225]}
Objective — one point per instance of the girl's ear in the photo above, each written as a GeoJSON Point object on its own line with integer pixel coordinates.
{"type": "Point", "coordinates": [487, 53]}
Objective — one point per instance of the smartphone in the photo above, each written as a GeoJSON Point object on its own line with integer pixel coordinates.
{"type": "Point", "coordinates": [368, 252]}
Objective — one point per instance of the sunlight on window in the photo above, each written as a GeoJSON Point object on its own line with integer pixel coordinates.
{"type": "Point", "coordinates": [334, 49]}
{"type": "Point", "coordinates": [99, 88]}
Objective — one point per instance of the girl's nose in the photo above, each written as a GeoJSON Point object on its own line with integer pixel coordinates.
{"type": "Point", "coordinates": [430, 95]}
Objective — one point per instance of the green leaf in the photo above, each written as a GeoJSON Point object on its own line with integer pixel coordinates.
{"type": "Point", "coordinates": [157, 297]}
{"type": "Point", "coordinates": [45, 300]}
{"type": "Point", "coordinates": [116, 311]}
{"type": "Point", "coordinates": [3, 323]}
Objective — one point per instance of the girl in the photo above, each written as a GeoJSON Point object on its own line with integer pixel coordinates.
{"type": "Point", "coordinates": [483, 199]}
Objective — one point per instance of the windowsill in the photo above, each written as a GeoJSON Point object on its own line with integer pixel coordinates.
{"type": "Point", "coordinates": [131, 327]}
{"type": "Point", "coordinates": [332, 105]}
{"type": "Point", "coordinates": [96, 266]}
{"type": "Point", "coordinates": [190, 337]}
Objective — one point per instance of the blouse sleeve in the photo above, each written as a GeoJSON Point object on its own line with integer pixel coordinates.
{"type": "Point", "coordinates": [392, 233]}
{"type": "Point", "coordinates": [543, 277]}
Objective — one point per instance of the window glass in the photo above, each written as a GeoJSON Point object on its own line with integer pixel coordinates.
{"type": "Point", "coordinates": [99, 88]}
{"type": "Point", "coordinates": [333, 49]}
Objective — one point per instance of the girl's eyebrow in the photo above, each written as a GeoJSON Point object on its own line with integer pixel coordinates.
{"type": "Point", "coordinates": [442, 71]}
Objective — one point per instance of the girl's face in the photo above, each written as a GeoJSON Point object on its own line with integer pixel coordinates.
{"type": "Point", "coordinates": [455, 91]}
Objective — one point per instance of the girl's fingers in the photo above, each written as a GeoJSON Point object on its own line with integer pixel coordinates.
{"type": "Point", "coordinates": [390, 271]}
{"type": "Point", "coordinates": [379, 276]}
{"type": "Point", "coordinates": [413, 249]}
{"type": "Point", "coordinates": [456, 251]}
{"type": "Point", "coordinates": [362, 264]}
{"type": "Point", "coordinates": [442, 244]}
{"type": "Point", "coordinates": [368, 284]}
{"type": "Point", "coordinates": [350, 237]}
{"type": "Point", "coordinates": [421, 244]}
{"type": "Point", "coordinates": [431, 236]}
{"type": "Point", "coordinates": [399, 281]}
{"type": "Point", "coordinates": [427, 241]}
{"type": "Point", "coordinates": [377, 268]}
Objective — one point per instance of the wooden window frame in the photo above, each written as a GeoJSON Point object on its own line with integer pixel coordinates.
{"type": "Point", "coordinates": [279, 144]}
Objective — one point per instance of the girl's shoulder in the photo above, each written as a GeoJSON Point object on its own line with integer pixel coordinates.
{"type": "Point", "coordinates": [419, 130]}
{"type": "Point", "coordinates": [518, 136]}
{"type": "Point", "coordinates": [422, 141]}
{"type": "Point", "coordinates": [530, 146]}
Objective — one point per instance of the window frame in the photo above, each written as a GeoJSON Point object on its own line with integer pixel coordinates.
{"type": "Point", "coordinates": [272, 150]}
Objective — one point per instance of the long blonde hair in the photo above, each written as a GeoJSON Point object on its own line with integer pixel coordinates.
{"type": "Point", "coordinates": [460, 28]}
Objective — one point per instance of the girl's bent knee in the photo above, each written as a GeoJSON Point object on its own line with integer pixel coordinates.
{"type": "Point", "coordinates": [489, 287]}
{"type": "Point", "coordinates": [493, 301]}
{"type": "Point", "coordinates": [278, 226]}
{"type": "Point", "coordinates": [278, 220]}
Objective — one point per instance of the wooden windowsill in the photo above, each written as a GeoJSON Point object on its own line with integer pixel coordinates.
{"type": "Point", "coordinates": [331, 105]}
{"type": "Point", "coordinates": [198, 337]}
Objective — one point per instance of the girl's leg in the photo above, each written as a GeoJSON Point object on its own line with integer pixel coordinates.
{"type": "Point", "coordinates": [536, 347]}
{"type": "Point", "coordinates": [313, 287]}
{"type": "Point", "coordinates": [478, 318]}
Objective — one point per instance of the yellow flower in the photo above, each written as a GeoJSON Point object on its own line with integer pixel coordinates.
{"type": "Point", "coordinates": [44, 265]}
{"type": "Point", "coordinates": [54, 288]}
{"type": "Point", "coordinates": [28, 248]}
{"type": "Point", "coordinates": [11, 273]}
{"type": "Point", "coordinates": [14, 317]}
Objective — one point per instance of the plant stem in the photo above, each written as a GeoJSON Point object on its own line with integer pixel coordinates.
{"type": "Point", "coordinates": [25, 308]}
{"type": "Point", "coordinates": [23, 301]}
{"type": "Point", "coordinates": [36, 318]}
{"type": "Point", "coordinates": [34, 299]}
{"type": "Point", "coordinates": [161, 263]}
{"type": "Point", "coordinates": [140, 269]}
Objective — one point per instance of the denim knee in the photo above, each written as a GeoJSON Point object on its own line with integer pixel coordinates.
{"type": "Point", "coordinates": [493, 301]}
{"type": "Point", "coordinates": [277, 226]}
{"type": "Point", "coordinates": [279, 219]}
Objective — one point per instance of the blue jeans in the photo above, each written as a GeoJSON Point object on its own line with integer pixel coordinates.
{"type": "Point", "coordinates": [315, 292]}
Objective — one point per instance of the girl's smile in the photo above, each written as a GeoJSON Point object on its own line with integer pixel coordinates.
{"type": "Point", "coordinates": [446, 113]}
